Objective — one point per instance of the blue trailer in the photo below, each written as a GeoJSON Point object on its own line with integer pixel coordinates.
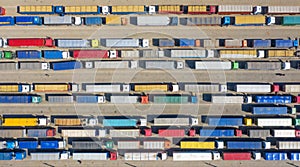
{"type": "Point", "coordinates": [244, 145]}
{"type": "Point", "coordinates": [269, 110]}
{"type": "Point", "coordinates": [294, 156]}
{"type": "Point", "coordinates": [55, 54]}
{"type": "Point", "coordinates": [183, 42]}
{"type": "Point", "coordinates": [20, 155]}
{"type": "Point", "coordinates": [20, 99]}
{"type": "Point", "coordinates": [28, 20]}
{"type": "Point", "coordinates": [6, 155]}
{"type": "Point", "coordinates": [273, 99]}
{"type": "Point", "coordinates": [7, 21]}
{"type": "Point", "coordinates": [259, 43]}
{"type": "Point", "coordinates": [277, 156]}
{"type": "Point", "coordinates": [29, 54]}
{"type": "Point", "coordinates": [28, 144]}
{"type": "Point", "coordinates": [120, 122]}
{"type": "Point", "coordinates": [93, 21]}
{"type": "Point", "coordinates": [50, 144]}
{"type": "Point", "coordinates": [216, 132]}
{"type": "Point", "coordinates": [281, 43]}
{"type": "Point", "coordinates": [87, 99]}
{"type": "Point", "coordinates": [220, 121]}
{"type": "Point", "coordinates": [66, 65]}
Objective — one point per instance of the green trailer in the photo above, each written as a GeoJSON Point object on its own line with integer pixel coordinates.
{"type": "Point", "coordinates": [171, 99]}
{"type": "Point", "coordinates": [291, 20]}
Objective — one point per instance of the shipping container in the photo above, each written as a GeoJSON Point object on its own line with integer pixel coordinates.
{"type": "Point", "coordinates": [128, 9]}
{"type": "Point", "coordinates": [166, 43]}
{"type": "Point", "coordinates": [120, 122]}
{"type": "Point", "coordinates": [291, 88]}
{"type": "Point", "coordinates": [274, 122]}
{"type": "Point", "coordinates": [201, 9]}
{"type": "Point", "coordinates": [58, 20]}
{"type": "Point", "coordinates": [159, 144]}
{"type": "Point", "coordinates": [7, 21]}
{"type": "Point", "coordinates": [156, 21]}
{"type": "Point", "coordinates": [188, 53]}
{"type": "Point", "coordinates": [244, 145]}
{"type": "Point", "coordinates": [124, 99]}
{"type": "Point", "coordinates": [104, 88]}
{"type": "Point", "coordinates": [93, 21]}
{"type": "Point", "coordinates": [269, 110]}
{"type": "Point", "coordinates": [6, 155]}
{"type": "Point", "coordinates": [284, 133]}
{"type": "Point", "coordinates": [245, 20]}
{"type": "Point", "coordinates": [14, 88]}
{"type": "Point", "coordinates": [10, 133]}
{"type": "Point", "coordinates": [111, 64]}
{"type": "Point", "coordinates": [113, 20]}
{"type": "Point", "coordinates": [9, 66]}
{"type": "Point", "coordinates": [67, 122]}
{"type": "Point", "coordinates": [28, 20]}
{"type": "Point", "coordinates": [72, 43]}
{"type": "Point", "coordinates": [253, 88]}
{"type": "Point", "coordinates": [171, 132]}
{"type": "Point", "coordinates": [285, 43]}
{"type": "Point", "coordinates": [263, 65]}
{"type": "Point", "coordinates": [36, 9]}
{"type": "Point", "coordinates": [81, 9]}
{"type": "Point", "coordinates": [33, 66]}
{"type": "Point", "coordinates": [89, 99]}
{"type": "Point", "coordinates": [175, 121]}
{"type": "Point", "coordinates": [236, 156]}
{"type": "Point", "coordinates": [41, 132]}
{"type": "Point", "coordinates": [273, 99]}
{"type": "Point", "coordinates": [20, 99]}
{"type": "Point", "coordinates": [221, 121]}
{"type": "Point", "coordinates": [280, 53]}
{"type": "Point", "coordinates": [78, 132]}
{"type": "Point", "coordinates": [124, 133]}
{"type": "Point", "coordinates": [131, 144]}
{"type": "Point", "coordinates": [204, 21]}
{"type": "Point", "coordinates": [259, 133]}
{"type": "Point", "coordinates": [26, 42]}
{"type": "Point", "coordinates": [167, 65]}
{"type": "Point", "coordinates": [212, 65]}
{"type": "Point", "coordinates": [240, 54]}
{"type": "Point", "coordinates": [227, 99]}
{"type": "Point", "coordinates": [170, 9]}
{"type": "Point", "coordinates": [29, 54]}
{"type": "Point", "coordinates": [65, 65]}
{"type": "Point", "coordinates": [86, 145]}
{"type": "Point", "coordinates": [171, 99]}
{"type": "Point", "coordinates": [195, 156]}
{"type": "Point", "coordinates": [55, 54]}
{"type": "Point", "coordinates": [283, 10]}
{"type": "Point", "coordinates": [28, 144]}
{"type": "Point", "coordinates": [45, 155]}
{"type": "Point", "coordinates": [197, 145]}
{"type": "Point", "coordinates": [275, 156]}
{"type": "Point", "coordinates": [259, 43]}
{"type": "Point", "coordinates": [120, 42]}
{"type": "Point", "coordinates": [20, 121]}
{"type": "Point", "coordinates": [235, 9]}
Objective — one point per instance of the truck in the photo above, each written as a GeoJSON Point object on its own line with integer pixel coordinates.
{"type": "Point", "coordinates": [196, 155]}
{"type": "Point", "coordinates": [131, 53]}
{"type": "Point", "coordinates": [59, 98]}
{"type": "Point", "coordinates": [28, 144]}
{"type": "Point", "coordinates": [259, 133]}
{"type": "Point", "coordinates": [162, 121]}
{"type": "Point", "coordinates": [260, 43]}
{"type": "Point", "coordinates": [29, 54]}
{"type": "Point", "coordinates": [45, 132]}
{"type": "Point", "coordinates": [106, 88]}
{"type": "Point", "coordinates": [7, 20]}
{"type": "Point", "coordinates": [24, 121]}
{"type": "Point", "coordinates": [171, 132]}
{"type": "Point", "coordinates": [115, 64]}
{"type": "Point", "coordinates": [166, 42]}
{"type": "Point", "coordinates": [274, 121]}
{"type": "Point", "coordinates": [123, 99]}
{"type": "Point", "coordinates": [273, 99]}
{"type": "Point", "coordinates": [65, 65]}
{"type": "Point", "coordinates": [277, 53]}
{"type": "Point", "coordinates": [231, 99]}
{"type": "Point", "coordinates": [284, 133]}
{"type": "Point", "coordinates": [15, 88]}
{"type": "Point", "coordinates": [277, 156]}
{"type": "Point", "coordinates": [238, 53]}
{"type": "Point", "coordinates": [130, 144]}
{"type": "Point", "coordinates": [89, 21]}
{"type": "Point", "coordinates": [234, 9]}
{"type": "Point", "coordinates": [245, 20]}
{"type": "Point", "coordinates": [291, 20]}
{"type": "Point", "coordinates": [204, 21]}
{"type": "Point", "coordinates": [237, 156]}
{"type": "Point", "coordinates": [20, 98]}
{"type": "Point", "coordinates": [36, 9]}
{"type": "Point", "coordinates": [174, 99]}
{"type": "Point", "coordinates": [45, 155]}
{"type": "Point", "coordinates": [269, 110]}
{"type": "Point", "coordinates": [84, 54]}
{"type": "Point", "coordinates": [124, 42]}
{"type": "Point", "coordinates": [72, 43]}
{"type": "Point", "coordinates": [170, 9]}
{"type": "Point", "coordinates": [166, 65]}
{"type": "Point", "coordinates": [201, 9]}
{"type": "Point", "coordinates": [89, 99]}
{"type": "Point", "coordinates": [215, 65]}
{"type": "Point", "coordinates": [197, 145]}
{"type": "Point", "coordinates": [58, 20]}
{"type": "Point", "coordinates": [53, 87]}
{"type": "Point", "coordinates": [7, 54]}
{"type": "Point", "coordinates": [290, 88]}
{"type": "Point", "coordinates": [52, 144]}
{"type": "Point", "coordinates": [285, 43]}
{"type": "Point", "coordinates": [253, 88]}
{"type": "Point", "coordinates": [27, 42]}
{"type": "Point", "coordinates": [128, 9]}
{"type": "Point", "coordinates": [86, 145]}
{"type": "Point", "coordinates": [144, 156]}
{"type": "Point", "coordinates": [205, 87]}
{"type": "Point", "coordinates": [120, 122]}
{"type": "Point", "coordinates": [156, 144]}
{"type": "Point", "coordinates": [79, 132]}
{"type": "Point", "coordinates": [33, 65]}
{"type": "Point", "coordinates": [55, 54]}
{"type": "Point", "coordinates": [156, 21]}
{"type": "Point", "coordinates": [124, 133]}
{"type": "Point", "coordinates": [154, 87]}
{"type": "Point", "coordinates": [28, 20]}
{"type": "Point", "coordinates": [80, 10]}
{"type": "Point", "coordinates": [244, 145]}
{"type": "Point", "coordinates": [90, 155]}
{"type": "Point", "coordinates": [224, 121]}
{"type": "Point", "coordinates": [233, 43]}
{"type": "Point", "coordinates": [283, 10]}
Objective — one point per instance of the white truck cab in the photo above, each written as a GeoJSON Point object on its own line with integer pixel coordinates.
{"type": "Point", "coordinates": [77, 21]}
{"type": "Point", "coordinates": [257, 10]}
{"type": "Point", "coordinates": [152, 10]}
{"type": "Point", "coordinates": [105, 10]}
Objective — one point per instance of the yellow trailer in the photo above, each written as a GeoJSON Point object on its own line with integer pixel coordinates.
{"type": "Point", "coordinates": [174, 9]}
{"type": "Point", "coordinates": [197, 8]}
{"type": "Point", "coordinates": [51, 87]}
{"type": "Point", "coordinates": [197, 145]}
{"type": "Point", "coordinates": [127, 9]}
{"type": "Point", "coordinates": [67, 122]}
{"type": "Point", "coordinates": [250, 20]}
{"type": "Point", "coordinates": [151, 87]}
{"type": "Point", "coordinates": [20, 122]}
{"type": "Point", "coordinates": [82, 9]}
{"type": "Point", "coordinates": [36, 9]}
{"type": "Point", "coordinates": [281, 53]}
{"type": "Point", "coordinates": [9, 88]}
{"type": "Point", "coordinates": [113, 20]}
{"type": "Point", "coordinates": [238, 53]}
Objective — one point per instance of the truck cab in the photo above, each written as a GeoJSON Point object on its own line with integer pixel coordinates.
{"type": "Point", "coordinates": [45, 66]}
{"type": "Point", "coordinates": [105, 10]}
{"type": "Point", "coordinates": [77, 21]}
{"type": "Point", "coordinates": [271, 20]}
{"type": "Point", "coordinates": [65, 55]}
{"type": "Point", "coordinates": [247, 99]}
{"type": "Point", "coordinates": [43, 121]}
{"type": "Point", "coordinates": [75, 87]}
{"type": "Point", "coordinates": [257, 10]}
{"type": "Point", "coordinates": [65, 155]}
{"type": "Point", "coordinates": [144, 43]}
{"type": "Point", "coordinates": [151, 9]}
{"type": "Point", "coordinates": [24, 88]}
{"type": "Point", "coordinates": [195, 121]}
{"type": "Point", "coordinates": [36, 99]}
{"type": "Point", "coordinates": [113, 54]}
{"type": "Point", "coordinates": [286, 65]}
{"type": "Point", "coordinates": [216, 155]}
{"type": "Point", "coordinates": [256, 155]}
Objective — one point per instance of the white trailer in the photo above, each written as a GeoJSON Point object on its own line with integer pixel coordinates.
{"type": "Point", "coordinates": [130, 54]}
{"type": "Point", "coordinates": [187, 53]}
{"type": "Point", "coordinates": [274, 122]}
{"type": "Point", "coordinates": [129, 144]}
{"type": "Point", "coordinates": [152, 20]}
{"type": "Point", "coordinates": [90, 156]}
{"type": "Point", "coordinates": [235, 8]}
{"type": "Point", "coordinates": [231, 99]}
{"type": "Point", "coordinates": [156, 144]}
{"type": "Point", "coordinates": [141, 156]}
{"type": "Point", "coordinates": [105, 88]}
{"type": "Point", "coordinates": [283, 9]}
{"type": "Point", "coordinates": [111, 64]}
{"type": "Point", "coordinates": [284, 133]}
{"type": "Point", "coordinates": [78, 132]}
{"type": "Point", "coordinates": [291, 88]}
{"type": "Point", "coordinates": [253, 88]}
{"type": "Point", "coordinates": [195, 156]}
{"type": "Point", "coordinates": [124, 99]}
{"type": "Point", "coordinates": [124, 133]}
{"type": "Point", "coordinates": [175, 121]}
{"type": "Point", "coordinates": [212, 65]}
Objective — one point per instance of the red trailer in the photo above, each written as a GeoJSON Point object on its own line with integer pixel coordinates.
{"type": "Point", "coordinates": [25, 42]}
{"type": "Point", "coordinates": [171, 132]}
{"type": "Point", "coordinates": [88, 54]}
{"type": "Point", "coordinates": [2, 11]}
{"type": "Point", "coordinates": [236, 155]}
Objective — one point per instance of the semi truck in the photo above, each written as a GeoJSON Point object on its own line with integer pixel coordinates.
{"type": "Point", "coordinates": [27, 42]}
